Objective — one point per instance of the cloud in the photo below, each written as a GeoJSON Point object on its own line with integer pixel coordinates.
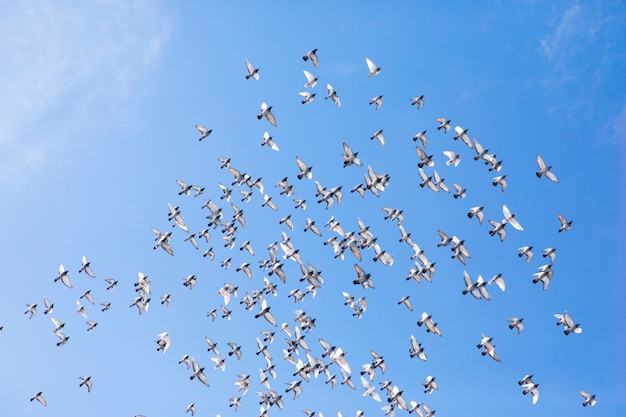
{"type": "Point", "coordinates": [48, 48]}
{"type": "Point", "coordinates": [575, 32]}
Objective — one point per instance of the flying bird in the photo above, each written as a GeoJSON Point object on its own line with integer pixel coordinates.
{"type": "Point", "coordinates": [204, 132]}
{"type": "Point", "coordinates": [565, 224]}
{"type": "Point", "coordinates": [378, 100]}
{"type": "Point", "coordinates": [311, 80]}
{"type": "Point", "coordinates": [373, 69]}
{"type": "Point", "coordinates": [545, 170]}
{"type": "Point", "coordinates": [332, 94]}
{"type": "Point", "coordinates": [86, 267]}
{"type": "Point", "coordinates": [418, 100]}
{"type": "Point", "coordinates": [86, 381]}
{"type": "Point", "coordinates": [312, 55]}
{"type": "Point", "coordinates": [252, 72]}
{"type": "Point", "coordinates": [590, 399]}
{"type": "Point", "coordinates": [266, 111]}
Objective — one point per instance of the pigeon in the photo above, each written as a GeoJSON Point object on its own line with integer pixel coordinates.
{"type": "Point", "coordinates": [531, 387]}
{"type": "Point", "coordinates": [379, 136]}
{"type": "Point", "coordinates": [430, 385]}
{"type": "Point", "coordinates": [32, 309]}
{"type": "Point", "coordinates": [305, 171]}
{"type": "Point", "coordinates": [405, 300]}
{"type": "Point", "coordinates": [421, 136]}
{"type": "Point", "coordinates": [478, 213]}
{"type": "Point", "coordinates": [308, 97]}
{"type": "Point", "coordinates": [489, 347]}
{"type": "Point", "coordinates": [517, 323]}
{"type": "Point", "coordinates": [510, 218]}
{"type": "Point", "coordinates": [163, 341]}
{"type": "Point", "coordinates": [312, 55]}
{"type": "Point", "coordinates": [86, 381]}
{"type": "Point", "coordinates": [198, 372]}
{"type": "Point", "coordinates": [87, 295]}
{"type": "Point", "coordinates": [443, 124]}
{"type": "Point", "coordinates": [39, 397]}
{"type": "Point", "coordinates": [526, 251]}
{"type": "Point", "coordinates": [431, 327]}
{"type": "Point", "coordinates": [373, 69]}
{"type": "Point", "coordinates": [350, 157]}
{"type": "Point", "coordinates": [416, 349]}
{"type": "Point", "coordinates": [419, 101]}
{"type": "Point", "coordinates": [460, 191]}
{"type": "Point", "coordinates": [267, 140]}
{"type": "Point", "coordinates": [566, 320]}
{"type": "Point", "coordinates": [80, 309]}
{"type": "Point", "coordinates": [332, 94]}
{"type": "Point", "coordinates": [565, 225]}
{"type": "Point", "coordinates": [266, 111]}
{"type": "Point", "coordinates": [501, 181]}
{"type": "Point", "coordinates": [86, 267]}
{"type": "Point", "coordinates": [545, 170]}
{"type": "Point", "coordinates": [191, 408]}
{"type": "Point", "coordinates": [63, 277]}
{"type": "Point", "coordinates": [311, 79]}
{"type": "Point", "coordinates": [49, 306]}
{"type": "Point", "coordinates": [590, 399]}
{"type": "Point", "coordinates": [252, 72]}
{"type": "Point", "coordinates": [453, 158]}
{"type": "Point", "coordinates": [462, 134]}
{"type": "Point", "coordinates": [204, 132]}
{"type": "Point", "coordinates": [378, 100]}
{"type": "Point", "coordinates": [550, 253]}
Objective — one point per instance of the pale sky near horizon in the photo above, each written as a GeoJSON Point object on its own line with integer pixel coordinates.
{"type": "Point", "coordinates": [97, 114]}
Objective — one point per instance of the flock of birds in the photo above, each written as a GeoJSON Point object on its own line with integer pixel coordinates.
{"type": "Point", "coordinates": [227, 217]}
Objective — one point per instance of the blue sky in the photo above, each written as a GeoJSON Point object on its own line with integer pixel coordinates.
{"type": "Point", "coordinates": [97, 121]}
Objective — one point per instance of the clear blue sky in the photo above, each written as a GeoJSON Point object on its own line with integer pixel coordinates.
{"type": "Point", "coordinates": [97, 116]}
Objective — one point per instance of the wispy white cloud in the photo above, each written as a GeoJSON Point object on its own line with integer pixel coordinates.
{"type": "Point", "coordinates": [48, 48]}
{"type": "Point", "coordinates": [575, 31]}
{"type": "Point", "coordinates": [585, 62]}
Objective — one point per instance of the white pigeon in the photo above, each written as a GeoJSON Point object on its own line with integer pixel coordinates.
{"type": "Point", "coordinates": [566, 320]}
{"type": "Point", "coordinates": [63, 277]}
{"type": "Point", "coordinates": [268, 140]}
{"type": "Point", "coordinates": [431, 327]}
{"type": "Point", "coordinates": [308, 97]}
{"type": "Point", "coordinates": [373, 69]}
{"type": "Point", "coordinates": [590, 399]}
{"type": "Point", "coordinates": [477, 212]}
{"type": "Point", "coordinates": [453, 158]}
{"type": "Point", "coordinates": [305, 171]}
{"type": "Point", "coordinates": [501, 181]}
{"type": "Point", "coordinates": [312, 55]}
{"type": "Point", "coordinates": [422, 137]}
{"type": "Point", "coordinates": [86, 381]}
{"type": "Point", "coordinates": [416, 349]}
{"type": "Point", "coordinates": [266, 111]}
{"type": "Point", "coordinates": [252, 72]}
{"type": "Point", "coordinates": [204, 132]}
{"type": "Point", "coordinates": [443, 124]}
{"type": "Point", "coordinates": [311, 80]}
{"type": "Point", "coordinates": [565, 225]}
{"type": "Point", "coordinates": [378, 100]}
{"type": "Point", "coordinates": [462, 134]}
{"type": "Point", "coordinates": [545, 170]}
{"type": "Point", "coordinates": [86, 267]}
{"type": "Point", "coordinates": [510, 218]}
{"type": "Point", "coordinates": [517, 323]}
{"type": "Point", "coordinates": [418, 100]}
{"type": "Point", "coordinates": [163, 341]}
{"type": "Point", "coordinates": [379, 136]}
{"type": "Point", "coordinates": [332, 94]}
{"type": "Point", "coordinates": [39, 397]}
